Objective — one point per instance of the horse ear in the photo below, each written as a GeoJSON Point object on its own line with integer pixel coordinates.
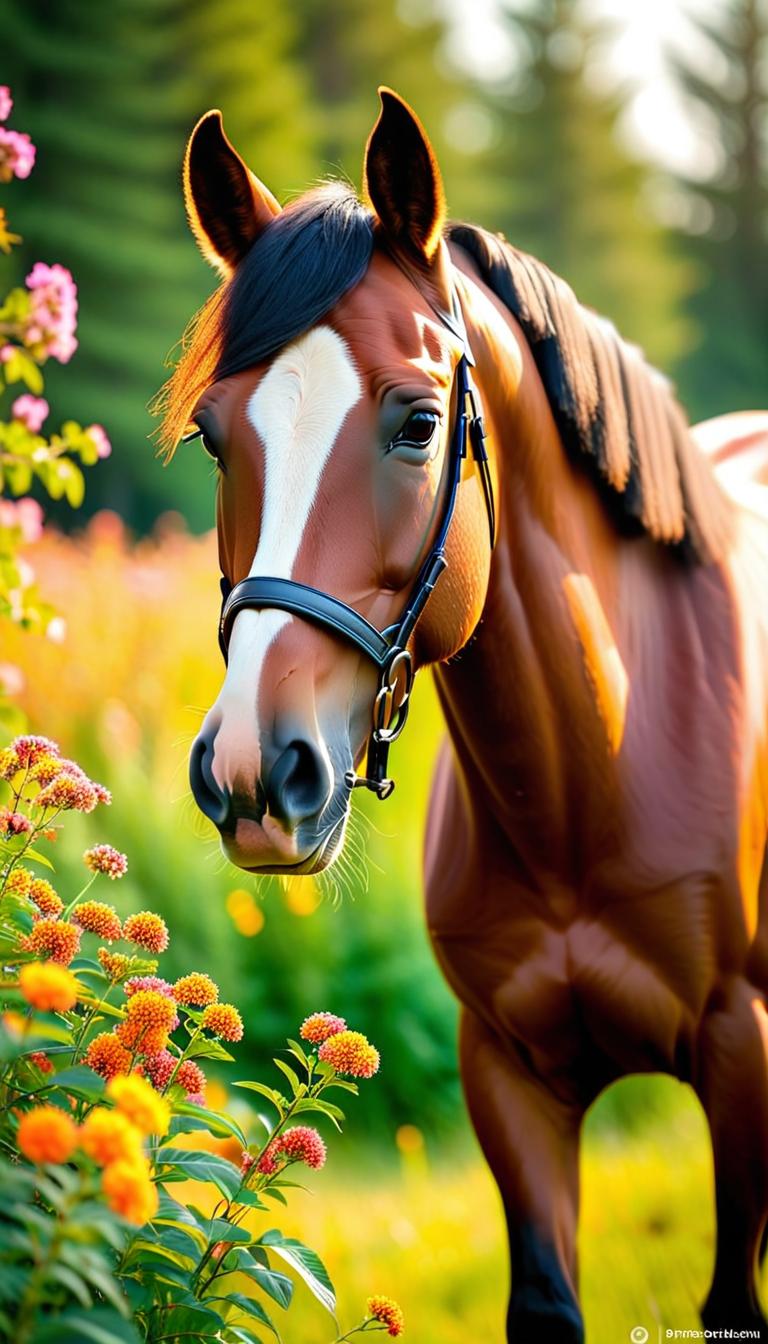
{"type": "Point", "coordinates": [228, 207]}
{"type": "Point", "coordinates": [402, 180]}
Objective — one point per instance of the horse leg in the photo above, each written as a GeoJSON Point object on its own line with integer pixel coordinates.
{"type": "Point", "coordinates": [732, 1084]}
{"type": "Point", "coordinates": [530, 1140]}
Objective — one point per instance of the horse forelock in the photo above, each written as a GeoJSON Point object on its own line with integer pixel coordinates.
{"type": "Point", "coordinates": [317, 249]}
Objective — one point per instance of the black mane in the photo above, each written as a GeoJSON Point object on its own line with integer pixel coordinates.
{"type": "Point", "coordinates": [614, 412]}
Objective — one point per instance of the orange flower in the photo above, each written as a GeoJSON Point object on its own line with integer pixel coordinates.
{"type": "Point", "coordinates": [55, 939]}
{"type": "Point", "coordinates": [108, 1136]}
{"type": "Point", "coordinates": [196, 990]}
{"type": "Point", "coordinates": [45, 898]}
{"type": "Point", "coordinates": [19, 882]}
{"type": "Point", "coordinates": [138, 1101]}
{"type": "Point", "coordinates": [149, 1018]}
{"type": "Point", "coordinates": [223, 1019]}
{"type": "Point", "coordinates": [114, 964]}
{"type": "Point", "coordinates": [129, 1191]}
{"type": "Point", "coordinates": [350, 1052]}
{"type": "Point", "coordinates": [146, 930]}
{"type": "Point", "coordinates": [388, 1312]}
{"type": "Point", "coordinates": [46, 1134]}
{"type": "Point", "coordinates": [96, 917]}
{"type": "Point", "coordinates": [48, 987]}
{"type": "Point", "coordinates": [319, 1026]}
{"type": "Point", "coordinates": [107, 1055]}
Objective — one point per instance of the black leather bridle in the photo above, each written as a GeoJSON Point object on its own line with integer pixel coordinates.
{"type": "Point", "coordinates": [387, 649]}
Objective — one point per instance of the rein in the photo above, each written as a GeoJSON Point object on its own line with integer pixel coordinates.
{"type": "Point", "coordinates": [387, 649]}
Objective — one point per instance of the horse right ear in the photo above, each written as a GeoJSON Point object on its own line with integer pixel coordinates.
{"type": "Point", "coordinates": [228, 207]}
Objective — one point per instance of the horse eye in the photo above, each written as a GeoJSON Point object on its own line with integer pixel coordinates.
{"type": "Point", "coordinates": [418, 429]}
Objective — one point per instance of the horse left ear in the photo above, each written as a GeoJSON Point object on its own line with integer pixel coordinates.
{"type": "Point", "coordinates": [227, 205]}
{"type": "Point", "coordinates": [402, 180]}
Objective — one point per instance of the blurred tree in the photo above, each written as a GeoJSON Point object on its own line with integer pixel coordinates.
{"type": "Point", "coordinates": [347, 50]}
{"type": "Point", "coordinates": [568, 190]}
{"type": "Point", "coordinates": [727, 212]}
{"type": "Point", "coordinates": [109, 93]}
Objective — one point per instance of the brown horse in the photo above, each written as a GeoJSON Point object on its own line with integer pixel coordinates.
{"type": "Point", "coordinates": [596, 888]}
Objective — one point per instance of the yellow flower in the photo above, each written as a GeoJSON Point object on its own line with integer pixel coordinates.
{"type": "Point", "coordinates": [109, 1136]}
{"type": "Point", "coordinates": [386, 1311]}
{"type": "Point", "coordinates": [46, 1134]}
{"type": "Point", "coordinates": [48, 987]}
{"type": "Point", "coordinates": [223, 1019]}
{"type": "Point", "coordinates": [96, 917]}
{"type": "Point", "coordinates": [55, 939]}
{"type": "Point", "coordinates": [350, 1052]}
{"type": "Point", "coordinates": [146, 930]}
{"type": "Point", "coordinates": [7, 239]}
{"type": "Point", "coordinates": [149, 1018]}
{"type": "Point", "coordinates": [107, 1055]}
{"type": "Point", "coordinates": [196, 990]}
{"type": "Point", "coordinates": [129, 1191]}
{"type": "Point", "coordinates": [138, 1101]}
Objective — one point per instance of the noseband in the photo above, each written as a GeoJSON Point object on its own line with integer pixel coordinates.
{"type": "Point", "coordinates": [386, 649]}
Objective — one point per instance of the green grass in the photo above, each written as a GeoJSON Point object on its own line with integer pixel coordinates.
{"type": "Point", "coordinates": [430, 1233]}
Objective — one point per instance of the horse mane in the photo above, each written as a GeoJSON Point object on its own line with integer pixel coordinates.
{"type": "Point", "coordinates": [316, 249]}
{"type": "Point", "coordinates": [615, 413]}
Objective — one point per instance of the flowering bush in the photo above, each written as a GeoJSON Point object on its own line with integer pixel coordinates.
{"type": "Point", "coordinates": [101, 1077]}
{"type": "Point", "coordinates": [37, 322]}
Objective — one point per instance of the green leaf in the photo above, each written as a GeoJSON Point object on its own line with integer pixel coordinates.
{"type": "Point", "coordinates": [36, 857]}
{"type": "Point", "coordinates": [205, 1049]}
{"type": "Point", "coordinates": [292, 1077]}
{"type": "Point", "coordinates": [80, 1081]}
{"type": "Point", "coordinates": [276, 1285]}
{"type": "Point", "coordinates": [264, 1091]}
{"type": "Point", "coordinates": [299, 1051]}
{"type": "Point", "coordinates": [199, 1166]}
{"type": "Point", "coordinates": [190, 1323]}
{"type": "Point", "coordinates": [97, 1325]}
{"type": "Point", "coordinates": [307, 1264]}
{"type": "Point", "coordinates": [220, 1230]}
{"type": "Point", "coordinates": [215, 1122]}
{"type": "Point", "coordinates": [248, 1306]}
{"type": "Point", "coordinates": [73, 1283]}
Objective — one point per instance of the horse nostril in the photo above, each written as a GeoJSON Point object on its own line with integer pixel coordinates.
{"type": "Point", "coordinates": [299, 783]}
{"type": "Point", "coordinates": [210, 798]}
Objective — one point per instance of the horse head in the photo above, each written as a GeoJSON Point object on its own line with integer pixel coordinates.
{"type": "Point", "coordinates": [322, 379]}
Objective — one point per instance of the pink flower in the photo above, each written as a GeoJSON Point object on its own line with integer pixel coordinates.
{"type": "Point", "coordinates": [52, 320]}
{"type": "Point", "coordinates": [300, 1144]}
{"type": "Point", "coordinates": [14, 823]}
{"type": "Point", "coordinates": [31, 411]}
{"type": "Point", "coordinates": [159, 1068]}
{"type": "Point", "coordinates": [30, 747]}
{"type": "Point", "coordinates": [7, 352]}
{"type": "Point", "coordinates": [25, 514]}
{"type": "Point", "coordinates": [98, 436]}
{"type": "Point", "coordinates": [105, 859]}
{"type": "Point", "coordinates": [6, 102]}
{"type": "Point", "coordinates": [17, 154]}
{"type": "Point", "coordinates": [319, 1026]}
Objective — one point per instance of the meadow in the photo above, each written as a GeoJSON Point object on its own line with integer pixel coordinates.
{"type": "Point", "coordinates": [407, 1206]}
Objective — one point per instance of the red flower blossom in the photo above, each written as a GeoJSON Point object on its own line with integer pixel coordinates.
{"type": "Point", "coordinates": [159, 1068]}
{"type": "Point", "coordinates": [105, 859]}
{"type": "Point", "coordinates": [191, 1077]}
{"type": "Point", "coordinates": [388, 1312]}
{"type": "Point", "coordinates": [350, 1052]}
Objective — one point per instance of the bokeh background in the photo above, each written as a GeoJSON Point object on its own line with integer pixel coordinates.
{"type": "Point", "coordinates": [623, 144]}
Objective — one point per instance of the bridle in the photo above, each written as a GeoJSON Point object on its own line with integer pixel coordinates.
{"type": "Point", "coordinates": [387, 649]}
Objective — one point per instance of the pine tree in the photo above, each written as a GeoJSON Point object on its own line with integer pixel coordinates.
{"type": "Point", "coordinates": [109, 94]}
{"type": "Point", "coordinates": [569, 193]}
{"type": "Point", "coordinates": [729, 210]}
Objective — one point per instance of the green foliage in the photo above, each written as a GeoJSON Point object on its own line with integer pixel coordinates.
{"type": "Point", "coordinates": [727, 210]}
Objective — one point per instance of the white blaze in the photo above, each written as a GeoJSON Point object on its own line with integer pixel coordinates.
{"type": "Point", "coordinates": [297, 410]}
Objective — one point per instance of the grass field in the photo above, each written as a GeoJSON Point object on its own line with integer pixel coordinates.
{"type": "Point", "coordinates": [429, 1231]}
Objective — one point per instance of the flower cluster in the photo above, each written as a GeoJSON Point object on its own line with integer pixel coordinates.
{"type": "Point", "coordinates": [111, 1016]}
{"type": "Point", "coordinates": [51, 321]}
{"type": "Point", "coordinates": [17, 153]}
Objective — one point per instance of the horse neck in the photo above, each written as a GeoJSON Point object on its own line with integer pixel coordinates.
{"type": "Point", "coordinates": [529, 738]}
